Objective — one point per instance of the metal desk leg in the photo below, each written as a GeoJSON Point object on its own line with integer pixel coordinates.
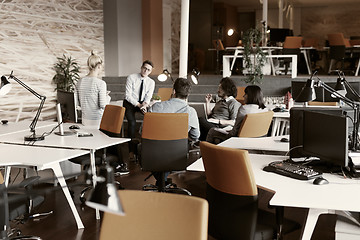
{"type": "Point", "coordinates": [7, 175]}
{"type": "Point", "coordinates": [58, 173]}
{"type": "Point", "coordinates": [310, 222]}
{"type": "Point", "coordinates": [275, 126]}
{"type": "Point", "coordinates": [307, 60]}
{"type": "Point", "coordinates": [234, 59]}
{"type": "Point", "coordinates": [357, 68]}
{"type": "Point", "coordinates": [93, 171]}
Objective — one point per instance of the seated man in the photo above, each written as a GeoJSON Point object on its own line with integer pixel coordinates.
{"type": "Point", "coordinates": [254, 103]}
{"type": "Point", "coordinates": [178, 104]}
{"type": "Point", "coordinates": [224, 111]}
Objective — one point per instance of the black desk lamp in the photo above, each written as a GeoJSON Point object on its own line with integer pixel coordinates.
{"type": "Point", "coordinates": [308, 94]}
{"type": "Point", "coordinates": [342, 84]}
{"type": "Point", "coordinates": [105, 196]}
{"type": "Point", "coordinates": [6, 87]}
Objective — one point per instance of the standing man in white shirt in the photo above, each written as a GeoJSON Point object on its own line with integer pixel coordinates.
{"type": "Point", "coordinates": [138, 93]}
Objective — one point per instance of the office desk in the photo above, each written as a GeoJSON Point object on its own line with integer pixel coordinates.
{"type": "Point", "coordinates": [99, 140]}
{"type": "Point", "coordinates": [44, 158]}
{"type": "Point", "coordinates": [264, 144]}
{"type": "Point", "coordinates": [339, 194]}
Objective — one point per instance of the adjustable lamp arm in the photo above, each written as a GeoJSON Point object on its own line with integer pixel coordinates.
{"type": "Point", "coordinates": [348, 101]}
{"type": "Point", "coordinates": [41, 97]}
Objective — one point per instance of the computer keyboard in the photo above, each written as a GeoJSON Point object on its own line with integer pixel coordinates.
{"type": "Point", "coordinates": [292, 170]}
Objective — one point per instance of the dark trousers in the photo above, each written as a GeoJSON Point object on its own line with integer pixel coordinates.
{"type": "Point", "coordinates": [130, 116]}
{"type": "Point", "coordinates": [205, 126]}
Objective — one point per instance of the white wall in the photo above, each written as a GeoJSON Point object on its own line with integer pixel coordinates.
{"type": "Point", "coordinates": [123, 37]}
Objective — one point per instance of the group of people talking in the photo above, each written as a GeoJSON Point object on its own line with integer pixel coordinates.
{"type": "Point", "coordinates": [227, 111]}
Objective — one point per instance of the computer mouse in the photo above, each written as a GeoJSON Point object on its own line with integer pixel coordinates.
{"type": "Point", "coordinates": [74, 127]}
{"type": "Point", "coordinates": [277, 109]}
{"type": "Point", "coordinates": [284, 140]}
{"type": "Point", "coordinates": [4, 121]}
{"type": "Point", "coordinates": [320, 181]}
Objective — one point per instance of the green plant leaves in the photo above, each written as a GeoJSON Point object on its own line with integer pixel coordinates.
{"type": "Point", "coordinates": [67, 73]}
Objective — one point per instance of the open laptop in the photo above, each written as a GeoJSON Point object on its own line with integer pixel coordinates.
{"type": "Point", "coordinates": [200, 109]}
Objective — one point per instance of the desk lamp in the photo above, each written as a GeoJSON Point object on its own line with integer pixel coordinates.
{"type": "Point", "coordinates": [6, 87]}
{"type": "Point", "coordinates": [195, 73]}
{"type": "Point", "coordinates": [164, 76]}
{"type": "Point", "coordinates": [308, 94]}
{"type": "Point", "coordinates": [105, 196]}
{"type": "Point", "coordinates": [342, 84]}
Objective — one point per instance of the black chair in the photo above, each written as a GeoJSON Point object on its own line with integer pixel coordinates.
{"type": "Point", "coordinates": [164, 148]}
{"type": "Point", "coordinates": [17, 204]}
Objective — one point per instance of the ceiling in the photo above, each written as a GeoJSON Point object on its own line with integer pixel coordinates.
{"type": "Point", "coordinates": [248, 4]}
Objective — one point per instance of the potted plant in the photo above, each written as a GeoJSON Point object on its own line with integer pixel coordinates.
{"type": "Point", "coordinates": [254, 57]}
{"type": "Point", "coordinates": [67, 73]}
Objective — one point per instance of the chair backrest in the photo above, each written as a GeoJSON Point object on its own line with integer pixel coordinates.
{"type": "Point", "coordinates": [240, 94]}
{"type": "Point", "coordinates": [231, 191]}
{"type": "Point", "coordinates": [164, 141]}
{"type": "Point", "coordinates": [337, 39]}
{"type": "Point", "coordinates": [112, 120]}
{"type": "Point", "coordinates": [228, 169]}
{"type": "Point", "coordinates": [154, 215]}
{"type": "Point", "coordinates": [292, 42]}
{"type": "Point", "coordinates": [165, 93]}
{"type": "Point", "coordinates": [256, 124]}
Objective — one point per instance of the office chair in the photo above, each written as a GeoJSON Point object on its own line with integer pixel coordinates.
{"type": "Point", "coordinates": [165, 93]}
{"type": "Point", "coordinates": [154, 215]}
{"type": "Point", "coordinates": [111, 124]}
{"type": "Point", "coordinates": [232, 194]}
{"type": "Point", "coordinates": [20, 205]}
{"type": "Point", "coordinates": [256, 124]}
{"type": "Point", "coordinates": [291, 47]}
{"type": "Point", "coordinates": [164, 148]}
{"type": "Point", "coordinates": [240, 94]}
{"type": "Point", "coordinates": [233, 197]}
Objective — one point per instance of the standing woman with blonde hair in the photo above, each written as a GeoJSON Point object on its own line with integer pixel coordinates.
{"type": "Point", "coordinates": [92, 93]}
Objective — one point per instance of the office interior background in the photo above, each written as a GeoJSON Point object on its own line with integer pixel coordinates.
{"type": "Point", "coordinates": [125, 32]}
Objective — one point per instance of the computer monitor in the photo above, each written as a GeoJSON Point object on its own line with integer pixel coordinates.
{"type": "Point", "coordinates": [326, 137]}
{"type": "Point", "coordinates": [68, 106]}
{"type": "Point", "coordinates": [297, 127]}
{"type": "Point", "coordinates": [279, 34]}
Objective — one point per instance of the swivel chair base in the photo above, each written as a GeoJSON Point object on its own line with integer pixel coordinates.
{"type": "Point", "coordinates": [170, 188]}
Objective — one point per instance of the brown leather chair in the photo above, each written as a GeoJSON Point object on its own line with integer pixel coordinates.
{"type": "Point", "coordinates": [256, 124]}
{"type": "Point", "coordinates": [164, 147]}
{"type": "Point", "coordinates": [291, 47]}
{"type": "Point", "coordinates": [232, 194]}
{"type": "Point", "coordinates": [154, 215]}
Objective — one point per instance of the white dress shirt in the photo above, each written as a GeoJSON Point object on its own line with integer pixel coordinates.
{"type": "Point", "coordinates": [132, 88]}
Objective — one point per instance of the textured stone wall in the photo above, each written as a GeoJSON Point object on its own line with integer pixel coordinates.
{"type": "Point", "coordinates": [319, 21]}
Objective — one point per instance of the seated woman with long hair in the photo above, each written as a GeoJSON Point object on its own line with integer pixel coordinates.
{"type": "Point", "coordinates": [254, 103]}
